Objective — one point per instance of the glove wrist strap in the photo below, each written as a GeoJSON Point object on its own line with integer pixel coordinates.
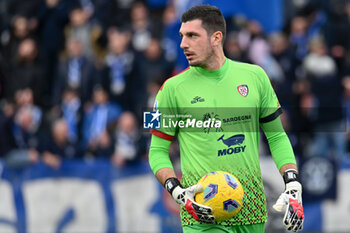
{"type": "Point", "coordinates": [171, 183]}
{"type": "Point", "coordinates": [290, 175]}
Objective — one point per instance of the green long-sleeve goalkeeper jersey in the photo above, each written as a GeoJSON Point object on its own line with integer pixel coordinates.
{"type": "Point", "coordinates": [240, 97]}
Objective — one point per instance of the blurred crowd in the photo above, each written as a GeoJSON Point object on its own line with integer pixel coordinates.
{"type": "Point", "coordinates": [77, 74]}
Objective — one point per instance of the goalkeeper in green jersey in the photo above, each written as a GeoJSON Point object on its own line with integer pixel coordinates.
{"type": "Point", "coordinates": [241, 97]}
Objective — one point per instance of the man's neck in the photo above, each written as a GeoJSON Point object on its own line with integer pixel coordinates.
{"type": "Point", "coordinates": [216, 61]}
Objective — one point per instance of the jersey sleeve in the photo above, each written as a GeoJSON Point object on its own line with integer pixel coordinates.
{"type": "Point", "coordinates": [280, 146]}
{"type": "Point", "coordinates": [270, 108]}
{"type": "Point", "coordinates": [158, 155]}
{"type": "Point", "coordinates": [165, 104]}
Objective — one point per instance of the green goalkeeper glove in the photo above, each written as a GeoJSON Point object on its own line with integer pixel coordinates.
{"type": "Point", "coordinates": [291, 198]}
{"type": "Point", "coordinates": [185, 197]}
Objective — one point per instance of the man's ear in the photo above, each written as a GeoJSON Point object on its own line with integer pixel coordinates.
{"type": "Point", "coordinates": [216, 38]}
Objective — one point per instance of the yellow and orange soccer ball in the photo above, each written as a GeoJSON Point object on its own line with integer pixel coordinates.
{"type": "Point", "coordinates": [223, 193]}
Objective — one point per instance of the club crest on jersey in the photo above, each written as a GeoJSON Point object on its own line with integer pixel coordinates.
{"type": "Point", "coordinates": [243, 90]}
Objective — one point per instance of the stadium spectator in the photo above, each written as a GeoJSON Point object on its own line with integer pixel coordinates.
{"type": "Point", "coordinates": [57, 146]}
{"type": "Point", "coordinates": [98, 121]}
{"type": "Point", "coordinates": [306, 26]}
{"type": "Point", "coordinates": [284, 55]}
{"type": "Point", "coordinates": [103, 148]}
{"type": "Point", "coordinates": [71, 110]}
{"type": "Point", "coordinates": [75, 71]}
{"type": "Point", "coordinates": [326, 89]}
{"type": "Point", "coordinates": [119, 65]}
{"type": "Point", "coordinates": [19, 30]}
{"type": "Point", "coordinates": [233, 49]}
{"type": "Point", "coordinates": [337, 32]}
{"type": "Point", "coordinates": [258, 47]}
{"type": "Point", "coordinates": [298, 36]}
{"type": "Point", "coordinates": [170, 37]}
{"type": "Point", "coordinates": [52, 17]}
{"type": "Point", "coordinates": [142, 27]}
{"type": "Point", "coordinates": [318, 63]}
{"type": "Point", "coordinates": [25, 72]}
{"type": "Point", "coordinates": [81, 28]}
{"type": "Point", "coordinates": [151, 68]}
{"type": "Point", "coordinates": [118, 13]}
{"type": "Point", "coordinates": [25, 98]}
{"type": "Point", "coordinates": [19, 140]}
{"type": "Point", "coordinates": [130, 144]}
{"type": "Point", "coordinates": [17, 22]}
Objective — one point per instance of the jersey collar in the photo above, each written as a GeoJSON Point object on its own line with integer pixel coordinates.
{"type": "Point", "coordinates": [216, 74]}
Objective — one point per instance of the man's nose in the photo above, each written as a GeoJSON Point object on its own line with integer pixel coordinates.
{"type": "Point", "coordinates": [183, 44]}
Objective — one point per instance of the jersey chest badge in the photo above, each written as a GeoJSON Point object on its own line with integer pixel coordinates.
{"type": "Point", "coordinates": [243, 90]}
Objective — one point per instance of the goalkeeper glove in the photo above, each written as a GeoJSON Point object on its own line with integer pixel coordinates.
{"type": "Point", "coordinates": [294, 216]}
{"type": "Point", "coordinates": [185, 197]}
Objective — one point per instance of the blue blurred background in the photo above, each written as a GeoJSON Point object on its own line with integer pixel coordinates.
{"type": "Point", "coordinates": [75, 76]}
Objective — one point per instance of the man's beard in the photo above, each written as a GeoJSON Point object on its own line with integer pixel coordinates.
{"type": "Point", "coordinates": [204, 62]}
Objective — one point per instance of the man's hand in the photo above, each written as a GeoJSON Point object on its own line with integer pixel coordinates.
{"type": "Point", "coordinates": [185, 197]}
{"type": "Point", "coordinates": [291, 199]}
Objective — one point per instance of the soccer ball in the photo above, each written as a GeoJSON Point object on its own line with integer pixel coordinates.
{"type": "Point", "coordinates": [223, 193]}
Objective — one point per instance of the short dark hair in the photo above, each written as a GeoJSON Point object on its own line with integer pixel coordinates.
{"type": "Point", "coordinates": [211, 16]}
